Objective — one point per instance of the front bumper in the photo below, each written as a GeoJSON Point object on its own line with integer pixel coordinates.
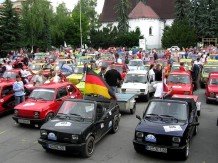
{"type": "Point", "coordinates": [143, 145]}
{"type": "Point", "coordinates": [28, 121]}
{"type": "Point", "coordinates": [68, 147]}
{"type": "Point", "coordinates": [212, 98]}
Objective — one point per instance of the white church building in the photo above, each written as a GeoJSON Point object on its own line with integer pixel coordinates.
{"type": "Point", "coordinates": [150, 17]}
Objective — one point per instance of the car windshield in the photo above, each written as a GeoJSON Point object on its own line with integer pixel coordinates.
{"type": "Point", "coordinates": [10, 75]}
{"type": "Point", "coordinates": [81, 109]}
{"type": "Point", "coordinates": [214, 81]}
{"type": "Point", "coordinates": [78, 70]}
{"type": "Point", "coordinates": [135, 63]}
{"type": "Point", "coordinates": [168, 109]}
{"type": "Point", "coordinates": [135, 78]}
{"type": "Point", "coordinates": [43, 94]}
{"type": "Point", "coordinates": [35, 67]}
{"type": "Point", "coordinates": [184, 79]}
{"type": "Point", "coordinates": [210, 69]}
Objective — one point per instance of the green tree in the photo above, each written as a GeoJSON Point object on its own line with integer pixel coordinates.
{"type": "Point", "coordinates": [36, 23]}
{"type": "Point", "coordinates": [9, 27]}
{"type": "Point", "coordinates": [182, 9]}
{"type": "Point", "coordinates": [88, 9]}
{"type": "Point", "coordinates": [60, 24]}
{"type": "Point", "coordinates": [122, 9]}
{"type": "Point", "coordinates": [180, 33]}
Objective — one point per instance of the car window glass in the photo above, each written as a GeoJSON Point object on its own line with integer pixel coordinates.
{"type": "Point", "coordinates": [61, 93]}
{"type": "Point", "coordinates": [70, 88]}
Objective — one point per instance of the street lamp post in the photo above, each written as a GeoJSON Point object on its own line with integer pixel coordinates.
{"type": "Point", "coordinates": [81, 32]}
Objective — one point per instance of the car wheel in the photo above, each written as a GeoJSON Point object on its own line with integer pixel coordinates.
{"type": "Point", "coordinates": [138, 149]}
{"type": "Point", "coordinates": [185, 151]}
{"type": "Point", "coordinates": [132, 111]}
{"type": "Point", "coordinates": [207, 101]}
{"type": "Point", "coordinates": [202, 85]}
{"type": "Point", "coordinates": [115, 126]}
{"type": "Point", "coordinates": [196, 130]}
{"type": "Point", "coordinates": [147, 97]}
{"type": "Point", "coordinates": [89, 147]}
{"type": "Point", "coordinates": [49, 117]}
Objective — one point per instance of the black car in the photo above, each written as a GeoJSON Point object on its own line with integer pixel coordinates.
{"type": "Point", "coordinates": [80, 124]}
{"type": "Point", "coordinates": [167, 125]}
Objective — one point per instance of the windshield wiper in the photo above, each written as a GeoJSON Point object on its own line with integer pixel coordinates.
{"type": "Point", "coordinates": [150, 115]}
{"type": "Point", "coordinates": [169, 116]}
{"type": "Point", "coordinates": [40, 98]}
{"type": "Point", "coordinates": [77, 115]}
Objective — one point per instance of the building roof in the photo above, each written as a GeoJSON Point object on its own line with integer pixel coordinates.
{"type": "Point", "coordinates": [142, 11]}
{"type": "Point", "coordinates": [163, 8]}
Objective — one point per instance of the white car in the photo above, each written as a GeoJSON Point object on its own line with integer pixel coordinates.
{"type": "Point", "coordinates": [136, 64]}
{"type": "Point", "coordinates": [174, 48]}
{"type": "Point", "coordinates": [137, 82]}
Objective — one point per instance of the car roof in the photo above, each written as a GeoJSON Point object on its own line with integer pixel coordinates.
{"type": "Point", "coordinates": [80, 100]}
{"type": "Point", "coordinates": [5, 82]}
{"type": "Point", "coordinates": [54, 85]}
{"type": "Point", "coordinates": [176, 72]}
{"type": "Point", "coordinates": [138, 72]}
{"type": "Point", "coordinates": [185, 96]}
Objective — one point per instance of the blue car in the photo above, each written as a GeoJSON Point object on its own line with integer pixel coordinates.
{"type": "Point", "coordinates": [167, 125]}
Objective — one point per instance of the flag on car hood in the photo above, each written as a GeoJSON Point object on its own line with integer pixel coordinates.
{"type": "Point", "coordinates": [94, 84]}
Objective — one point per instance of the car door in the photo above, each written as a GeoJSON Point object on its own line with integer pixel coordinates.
{"type": "Point", "coordinates": [99, 125]}
{"type": "Point", "coordinates": [7, 97]}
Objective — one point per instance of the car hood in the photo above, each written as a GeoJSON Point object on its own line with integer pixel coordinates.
{"type": "Point", "coordinates": [66, 126]}
{"type": "Point", "coordinates": [157, 127]}
{"type": "Point", "coordinates": [36, 105]}
{"type": "Point", "coordinates": [134, 86]}
{"type": "Point", "coordinates": [213, 88]}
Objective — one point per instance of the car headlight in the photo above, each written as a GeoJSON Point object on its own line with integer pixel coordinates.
{"type": "Point", "coordinates": [212, 94]}
{"type": "Point", "coordinates": [123, 90]}
{"type": "Point", "coordinates": [16, 112]}
{"type": "Point", "coordinates": [142, 90]}
{"type": "Point", "coordinates": [186, 93]}
{"type": "Point", "coordinates": [36, 114]}
{"type": "Point", "coordinates": [74, 138]}
{"type": "Point", "coordinates": [43, 132]}
{"type": "Point", "coordinates": [139, 134]}
{"type": "Point", "coordinates": [176, 139]}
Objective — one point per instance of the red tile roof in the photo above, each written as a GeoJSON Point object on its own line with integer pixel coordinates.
{"type": "Point", "coordinates": [143, 11]}
{"type": "Point", "coordinates": [163, 8]}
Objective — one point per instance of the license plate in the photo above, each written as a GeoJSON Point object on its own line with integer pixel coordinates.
{"type": "Point", "coordinates": [24, 121]}
{"type": "Point", "coordinates": [156, 149]}
{"type": "Point", "coordinates": [57, 147]}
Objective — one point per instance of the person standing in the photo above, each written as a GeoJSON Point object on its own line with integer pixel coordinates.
{"type": "Point", "coordinates": [18, 89]}
{"type": "Point", "coordinates": [113, 78]}
{"type": "Point", "coordinates": [195, 74]}
{"type": "Point", "coordinates": [151, 73]}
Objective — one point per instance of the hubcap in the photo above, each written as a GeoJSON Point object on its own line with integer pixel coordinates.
{"type": "Point", "coordinates": [187, 150]}
{"type": "Point", "coordinates": [90, 147]}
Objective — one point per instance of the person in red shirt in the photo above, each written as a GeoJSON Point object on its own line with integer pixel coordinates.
{"type": "Point", "coordinates": [182, 67]}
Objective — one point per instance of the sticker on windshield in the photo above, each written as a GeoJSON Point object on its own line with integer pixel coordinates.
{"type": "Point", "coordinates": [172, 128]}
{"type": "Point", "coordinates": [63, 124]}
{"type": "Point", "coordinates": [29, 104]}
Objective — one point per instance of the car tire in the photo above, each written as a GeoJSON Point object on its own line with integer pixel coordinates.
{"type": "Point", "coordinates": [132, 111]}
{"type": "Point", "coordinates": [89, 147]}
{"type": "Point", "coordinates": [147, 97]}
{"type": "Point", "coordinates": [207, 101]}
{"type": "Point", "coordinates": [115, 126]}
{"type": "Point", "coordinates": [138, 149]}
{"type": "Point", "coordinates": [49, 117]}
{"type": "Point", "coordinates": [185, 151]}
{"type": "Point", "coordinates": [202, 85]}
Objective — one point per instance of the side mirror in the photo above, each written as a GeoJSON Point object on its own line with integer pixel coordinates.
{"type": "Point", "coordinates": [59, 99]}
{"type": "Point", "coordinates": [138, 117]}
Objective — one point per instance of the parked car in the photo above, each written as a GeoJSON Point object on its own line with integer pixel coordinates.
{"type": "Point", "coordinates": [207, 69]}
{"type": "Point", "coordinates": [167, 126]}
{"type": "Point", "coordinates": [44, 102]}
{"type": "Point", "coordinates": [79, 125]}
{"type": "Point", "coordinates": [180, 82]}
{"type": "Point", "coordinates": [136, 64]}
{"type": "Point", "coordinates": [137, 82]}
{"type": "Point", "coordinates": [211, 91]}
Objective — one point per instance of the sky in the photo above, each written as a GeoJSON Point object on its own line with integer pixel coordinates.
{"type": "Point", "coordinates": [71, 3]}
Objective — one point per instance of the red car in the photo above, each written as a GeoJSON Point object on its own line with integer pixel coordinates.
{"type": "Point", "coordinates": [180, 82]}
{"type": "Point", "coordinates": [7, 100]}
{"type": "Point", "coordinates": [212, 88]}
{"type": "Point", "coordinates": [43, 103]}
{"type": "Point", "coordinates": [122, 69]}
{"type": "Point", "coordinates": [11, 74]}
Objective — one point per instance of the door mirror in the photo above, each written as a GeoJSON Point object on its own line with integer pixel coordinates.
{"type": "Point", "coordinates": [138, 117]}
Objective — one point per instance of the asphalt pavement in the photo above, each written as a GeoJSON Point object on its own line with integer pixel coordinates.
{"type": "Point", "coordinates": [19, 144]}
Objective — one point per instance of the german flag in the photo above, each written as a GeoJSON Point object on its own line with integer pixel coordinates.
{"type": "Point", "coordinates": [95, 84]}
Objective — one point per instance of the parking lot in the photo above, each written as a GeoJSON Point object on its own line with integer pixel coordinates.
{"type": "Point", "coordinates": [19, 144]}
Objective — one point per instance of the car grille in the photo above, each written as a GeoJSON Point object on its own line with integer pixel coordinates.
{"type": "Point", "coordinates": [161, 139]}
{"type": "Point", "coordinates": [61, 137]}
